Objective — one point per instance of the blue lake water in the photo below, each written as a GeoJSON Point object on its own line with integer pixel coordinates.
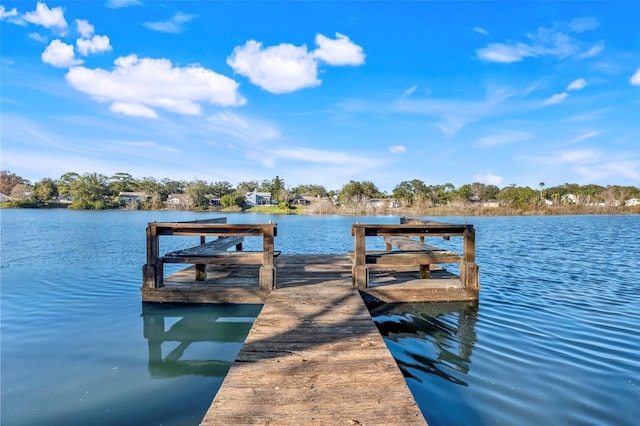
{"type": "Point", "coordinates": [553, 340]}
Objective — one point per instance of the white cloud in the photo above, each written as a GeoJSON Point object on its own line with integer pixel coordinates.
{"type": "Point", "coordinates": [489, 179]}
{"type": "Point", "coordinates": [577, 84]}
{"type": "Point", "coordinates": [455, 114]}
{"type": "Point", "coordinates": [175, 25]}
{"type": "Point", "coordinates": [132, 109]}
{"type": "Point", "coordinates": [578, 156]}
{"type": "Point", "coordinates": [115, 4]}
{"type": "Point", "coordinates": [555, 41]}
{"type": "Point", "coordinates": [286, 68]}
{"type": "Point", "coordinates": [84, 28]}
{"type": "Point", "coordinates": [6, 14]}
{"type": "Point", "coordinates": [593, 51]}
{"type": "Point", "coordinates": [410, 90]}
{"type": "Point", "coordinates": [241, 128]}
{"type": "Point", "coordinates": [556, 99]}
{"type": "Point", "coordinates": [480, 30]}
{"type": "Point", "coordinates": [48, 18]}
{"type": "Point", "coordinates": [60, 55]}
{"type": "Point", "coordinates": [586, 135]}
{"type": "Point", "coordinates": [580, 25]}
{"type": "Point", "coordinates": [635, 78]}
{"type": "Point", "coordinates": [504, 136]}
{"type": "Point", "coordinates": [397, 149]}
{"type": "Point", "coordinates": [96, 44]}
{"type": "Point", "coordinates": [277, 69]}
{"type": "Point", "coordinates": [155, 83]}
{"type": "Point", "coordinates": [498, 52]}
{"type": "Point", "coordinates": [38, 37]}
{"type": "Point", "coordinates": [340, 51]}
{"type": "Point", "coordinates": [317, 156]}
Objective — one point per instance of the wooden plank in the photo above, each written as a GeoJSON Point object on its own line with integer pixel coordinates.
{"type": "Point", "coordinates": [415, 230]}
{"type": "Point", "coordinates": [219, 244]}
{"type": "Point", "coordinates": [406, 243]}
{"type": "Point", "coordinates": [225, 257]}
{"type": "Point", "coordinates": [314, 356]}
{"type": "Point", "coordinates": [390, 258]}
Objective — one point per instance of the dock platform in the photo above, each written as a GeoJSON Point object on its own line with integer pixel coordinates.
{"type": "Point", "coordinates": [239, 284]}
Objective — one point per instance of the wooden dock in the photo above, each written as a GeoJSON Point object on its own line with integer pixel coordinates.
{"type": "Point", "coordinates": [314, 355]}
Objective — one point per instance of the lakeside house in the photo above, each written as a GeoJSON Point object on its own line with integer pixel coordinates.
{"type": "Point", "coordinates": [129, 198]}
{"type": "Point", "coordinates": [178, 201]}
{"type": "Point", "coordinates": [381, 203]}
{"type": "Point", "coordinates": [256, 198]}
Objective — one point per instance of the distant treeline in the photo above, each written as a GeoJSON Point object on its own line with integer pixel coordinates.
{"type": "Point", "coordinates": [98, 191]}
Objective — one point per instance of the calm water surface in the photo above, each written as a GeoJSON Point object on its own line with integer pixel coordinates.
{"type": "Point", "coordinates": [553, 340]}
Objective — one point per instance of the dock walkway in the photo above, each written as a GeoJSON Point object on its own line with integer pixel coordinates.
{"type": "Point", "coordinates": [314, 356]}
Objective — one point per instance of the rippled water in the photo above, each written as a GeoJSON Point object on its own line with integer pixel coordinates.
{"type": "Point", "coordinates": [553, 340]}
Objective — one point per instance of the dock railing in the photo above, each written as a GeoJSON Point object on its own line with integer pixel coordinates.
{"type": "Point", "coordinates": [153, 270]}
{"type": "Point", "coordinates": [419, 254]}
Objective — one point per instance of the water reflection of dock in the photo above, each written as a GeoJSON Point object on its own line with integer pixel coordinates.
{"type": "Point", "coordinates": [189, 327]}
{"type": "Point", "coordinates": [447, 328]}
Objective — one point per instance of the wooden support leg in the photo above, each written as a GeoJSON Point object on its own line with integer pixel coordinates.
{"type": "Point", "coordinates": [424, 272]}
{"type": "Point", "coordinates": [267, 277]}
{"type": "Point", "coordinates": [469, 275]}
{"type": "Point", "coordinates": [360, 277]}
{"type": "Point", "coordinates": [201, 272]}
{"type": "Point", "coordinates": [160, 274]}
{"type": "Point", "coordinates": [149, 274]}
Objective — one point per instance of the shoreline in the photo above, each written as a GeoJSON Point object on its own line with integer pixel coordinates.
{"type": "Point", "coordinates": [465, 211]}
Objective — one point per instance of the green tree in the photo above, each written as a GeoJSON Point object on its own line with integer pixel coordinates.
{"type": "Point", "coordinates": [121, 182]}
{"type": "Point", "coordinates": [356, 191]}
{"type": "Point", "coordinates": [45, 190]}
{"type": "Point", "coordinates": [248, 186]}
{"type": "Point", "coordinates": [172, 187]}
{"type": "Point", "coordinates": [90, 191]}
{"type": "Point", "coordinates": [490, 192]}
{"type": "Point", "coordinates": [277, 190]}
{"type": "Point", "coordinates": [234, 199]}
{"type": "Point", "coordinates": [197, 191]}
{"type": "Point", "coordinates": [310, 190]}
{"type": "Point", "coordinates": [404, 192]}
{"type": "Point", "coordinates": [65, 181]}
{"type": "Point", "coordinates": [220, 189]}
{"type": "Point", "coordinates": [155, 190]}
{"type": "Point", "coordinates": [518, 196]}
{"type": "Point", "coordinates": [464, 193]}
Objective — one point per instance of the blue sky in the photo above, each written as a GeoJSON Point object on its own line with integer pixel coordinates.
{"type": "Point", "coordinates": [323, 92]}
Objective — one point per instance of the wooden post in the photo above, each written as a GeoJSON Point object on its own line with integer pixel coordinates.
{"type": "Point", "coordinates": [151, 274]}
{"type": "Point", "coordinates": [201, 269]}
{"type": "Point", "coordinates": [360, 272]}
{"type": "Point", "coordinates": [468, 268]}
{"type": "Point", "coordinates": [424, 272]}
{"type": "Point", "coordinates": [267, 270]}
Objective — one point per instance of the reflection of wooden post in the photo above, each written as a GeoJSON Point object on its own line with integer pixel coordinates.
{"type": "Point", "coordinates": [468, 268]}
{"type": "Point", "coordinates": [360, 272]}
{"type": "Point", "coordinates": [153, 331]}
{"type": "Point", "coordinates": [201, 268]}
{"type": "Point", "coordinates": [151, 272]}
{"type": "Point", "coordinates": [267, 270]}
